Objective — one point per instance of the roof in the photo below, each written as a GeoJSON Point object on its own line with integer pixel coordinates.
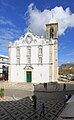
{"type": "Point", "coordinates": [52, 20]}
{"type": "Point", "coordinates": [71, 100]}
{"type": "Point", "coordinates": [3, 56]}
{"type": "Point", "coordinates": [68, 112]}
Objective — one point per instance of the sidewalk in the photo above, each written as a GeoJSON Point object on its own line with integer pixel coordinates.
{"type": "Point", "coordinates": [37, 87]}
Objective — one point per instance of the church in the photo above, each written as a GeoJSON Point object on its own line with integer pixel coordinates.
{"type": "Point", "coordinates": [34, 58]}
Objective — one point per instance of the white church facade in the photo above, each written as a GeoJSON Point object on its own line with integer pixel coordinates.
{"type": "Point", "coordinates": [33, 58]}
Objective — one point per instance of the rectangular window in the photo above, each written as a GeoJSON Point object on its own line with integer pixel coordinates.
{"type": "Point", "coordinates": [18, 52]}
{"type": "Point", "coordinates": [40, 54]}
{"type": "Point", "coordinates": [28, 60]}
{"type": "Point", "coordinates": [18, 61]}
{"type": "Point", "coordinates": [17, 55]}
{"type": "Point", "coordinates": [28, 55]}
{"type": "Point", "coordinates": [40, 60]}
{"type": "Point", "coordinates": [40, 50]}
{"type": "Point", "coordinates": [28, 50]}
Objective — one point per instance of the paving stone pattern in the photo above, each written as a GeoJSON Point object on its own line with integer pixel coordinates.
{"type": "Point", "coordinates": [22, 109]}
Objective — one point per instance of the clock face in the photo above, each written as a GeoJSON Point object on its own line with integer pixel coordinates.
{"type": "Point", "coordinates": [28, 39]}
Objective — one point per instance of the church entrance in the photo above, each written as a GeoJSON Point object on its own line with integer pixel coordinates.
{"type": "Point", "coordinates": [28, 76]}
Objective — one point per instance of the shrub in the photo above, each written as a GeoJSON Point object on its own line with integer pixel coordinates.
{"type": "Point", "coordinates": [1, 92]}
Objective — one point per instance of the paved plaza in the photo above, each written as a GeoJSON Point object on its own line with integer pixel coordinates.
{"type": "Point", "coordinates": [12, 108]}
{"type": "Point", "coordinates": [20, 107]}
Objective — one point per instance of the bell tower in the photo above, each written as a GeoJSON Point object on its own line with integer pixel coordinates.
{"type": "Point", "coordinates": [52, 36]}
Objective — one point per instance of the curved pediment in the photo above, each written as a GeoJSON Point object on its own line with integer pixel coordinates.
{"type": "Point", "coordinates": [29, 38]}
{"type": "Point", "coordinates": [28, 68]}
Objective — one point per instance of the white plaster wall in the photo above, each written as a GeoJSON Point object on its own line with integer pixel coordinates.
{"type": "Point", "coordinates": [13, 73]}
{"type": "Point", "coordinates": [45, 54]}
{"type": "Point", "coordinates": [17, 73]}
{"type": "Point", "coordinates": [34, 55]}
{"type": "Point", "coordinates": [40, 74]}
{"type": "Point", "coordinates": [13, 55]}
{"type": "Point", "coordinates": [23, 51]}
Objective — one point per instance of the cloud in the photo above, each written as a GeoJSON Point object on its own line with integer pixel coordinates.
{"type": "Point", "coordinates": [71, 53]}
{"type": "Point", "coordinates": [6, 4]}
{"type": "Point", "coordinates": [6, 35]}
{"type": "Point", "coordinates": [4, 21]}
{"type": "Point", "coordinates": [9, 34]}
{"type": "Point", "coordinates": [37, 19]}
{"type": "Point", "coordinates": [8, 30]}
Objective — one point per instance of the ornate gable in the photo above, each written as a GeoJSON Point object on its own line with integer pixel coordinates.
{"type": "Point", "coordinates": [29, 39]}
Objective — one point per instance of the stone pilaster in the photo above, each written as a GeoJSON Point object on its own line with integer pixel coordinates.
{"type": "Point", "coordinates": [55, 60]}
{"type": "Point", "coordinates": [51, 63]}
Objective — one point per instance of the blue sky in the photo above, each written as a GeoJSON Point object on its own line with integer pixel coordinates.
{"type": "Point", "coordinates": [17, 15]}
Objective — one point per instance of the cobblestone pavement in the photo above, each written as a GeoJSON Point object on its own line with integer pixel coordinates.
{"type": "Point", "coordinates": [12, 108]}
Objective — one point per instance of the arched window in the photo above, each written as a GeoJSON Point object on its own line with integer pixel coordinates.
{"type": "Point", "coordinates": [51, 33]}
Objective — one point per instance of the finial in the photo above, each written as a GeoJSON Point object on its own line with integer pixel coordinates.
{"type": "Point", "coordinates": [52, 19]}
{"type": "Point", "coordinates": [52, 16]}
{"type": "Point", "coordinates": [29, 29]}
